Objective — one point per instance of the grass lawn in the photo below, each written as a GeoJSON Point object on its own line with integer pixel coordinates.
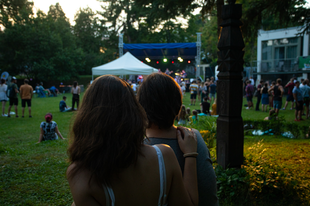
{"type": "Point", "coordinates": [34, 174]}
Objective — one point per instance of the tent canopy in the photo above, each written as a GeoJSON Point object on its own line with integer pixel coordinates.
{"type": "Point", "coordinates": [160, 50]}
{"type": "Point", "coordinates": [125, 65]}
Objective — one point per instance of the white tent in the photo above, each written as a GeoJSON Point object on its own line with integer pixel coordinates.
{"type": "Point", "coordinates": [126, 64]}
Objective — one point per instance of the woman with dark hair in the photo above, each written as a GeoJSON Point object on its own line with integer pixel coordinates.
{"type": "Point", "coordinates": [49, 129]}
{"type": "Point", "coordinates": [76, 90]}
{"type": "Point", "coordinates": [182, 115]}
{"type": "Point", "coordinates": [265, 97]}
{"type": "Point", "coordinates": [3, 96]}
{"type": "Point", "coordinates": [109, 162]}
{"type": "Point", "coordinates": [161, 99]}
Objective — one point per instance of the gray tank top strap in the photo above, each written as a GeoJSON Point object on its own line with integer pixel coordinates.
{"type": "Point", "coordinates": [162, 201]}
{"type": "Point", "coordinates": [109, 194]}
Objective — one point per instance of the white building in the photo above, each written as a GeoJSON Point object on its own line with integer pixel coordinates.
{"type": "Point", "coordinates": [279, 53]}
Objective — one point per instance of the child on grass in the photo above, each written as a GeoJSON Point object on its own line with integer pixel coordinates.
{"type": "Point", "coordinates": [195, 116]}
{"type": "Point", "coordinates": [182, 115]}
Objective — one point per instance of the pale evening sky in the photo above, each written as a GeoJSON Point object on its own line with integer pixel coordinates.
{"type": "Point", "coordinates": [71, 7]}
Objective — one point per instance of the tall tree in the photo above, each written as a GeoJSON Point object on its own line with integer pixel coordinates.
{"type": "Point", "coordinates": [14, 11]}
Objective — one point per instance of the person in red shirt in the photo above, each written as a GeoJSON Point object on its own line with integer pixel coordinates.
{"type": "Point", "coordinates": [290, 85]}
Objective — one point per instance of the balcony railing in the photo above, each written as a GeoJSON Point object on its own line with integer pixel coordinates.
{"type": "Point", "coordinates": [277, 65]}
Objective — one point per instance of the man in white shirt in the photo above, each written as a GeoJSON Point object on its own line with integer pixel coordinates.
{"type": "Point", "coordinates": [252, 81]}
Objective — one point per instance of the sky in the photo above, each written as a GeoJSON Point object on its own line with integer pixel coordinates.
{"type": "Point", "coordinates": [71, 7]}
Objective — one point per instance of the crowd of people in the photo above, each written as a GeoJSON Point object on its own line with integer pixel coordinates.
{"type": "Point", "coordinates": [271, 95]}
{"type": "Point", "coordinates": [124, 138]}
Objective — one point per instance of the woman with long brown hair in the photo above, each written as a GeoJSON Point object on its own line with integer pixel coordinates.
{"type": "Point", "coordinates": [109, 162]}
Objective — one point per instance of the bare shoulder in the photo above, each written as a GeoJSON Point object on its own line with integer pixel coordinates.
{"type": "Point", "coordinates": [78, 181]}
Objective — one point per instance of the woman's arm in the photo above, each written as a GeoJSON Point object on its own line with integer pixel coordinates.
{"type": "Point", "coordinates": [59, 134]}
{"type": "Point", "coordinates": [183, 192]}
{"type": "Point", "coordinates": [41, 135]}
{"type": "Point", "coordinates": [79, 90]}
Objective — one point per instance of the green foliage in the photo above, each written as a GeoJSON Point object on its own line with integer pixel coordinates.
{"type": "Point", "coordinates": [231, 183]}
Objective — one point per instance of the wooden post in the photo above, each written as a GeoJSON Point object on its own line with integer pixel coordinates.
{"type": "Point", "coordinates": [230, 136]}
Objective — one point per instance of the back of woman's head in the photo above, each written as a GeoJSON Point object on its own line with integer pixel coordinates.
{"type": "Point", "coordinates": [2, 81]}
{"type": "Point", "coordinates": [48, 117]}
{"type": "Point", "coordinates": [109, 129]}
{"type": "Point", "coordinates": [161, 98]}
{"type": "Point", "coordinates": [75, 84]}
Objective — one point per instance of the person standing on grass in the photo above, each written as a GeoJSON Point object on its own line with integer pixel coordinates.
{"type": "Point", "coordinates": [13, 96]}
{"type": "Point", "coordinates": [305, 90]}
{"type": "Point", "coordinates": [259, 95]}
{"type": "Point", "coordinates": [194, 90]}
{"type": "Point", "coordinates": [290, 86]}
{"type": "Point", "coordinates": [299, 101]}
{"type": "Point", "coordinates": [75, 95]}
{"type": "Point", "coordinates": [252, 81]}
{"type": "Point", "coordinates": [265, 97]}
{"type": "Point", "coordinates": [3, 96]}
{"type": "Point", "coordinates": [271, 95]}
{"type": "Point", "coordinates": [278, 94]}
{"type": "Point", "coordinates": [249, 94]}
{"type": "Point", "coordinates": [212, 91]}
{"type": "Point", "coordinates": [205, 91]}
{"type": "Point", "coordinates": [26, 93]}
{"type": "Point", "coordinates": [49, 129]}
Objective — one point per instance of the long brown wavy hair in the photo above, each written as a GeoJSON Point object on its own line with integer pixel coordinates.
{"type": "Point", "coordinates": [108, 131]}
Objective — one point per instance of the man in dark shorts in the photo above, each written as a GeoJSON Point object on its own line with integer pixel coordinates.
{"type": "Point", "coordinates": [249, 94]}
{"type": "Point", "coordinates": [277, 95]}
{"type": "Point", "coordinates": [13, 96]}
{"type": "Point", "coordinates": [299, 101]}
{"type": "Point", "coordinates": [194, 90]}
{"type": "Point", "coordinates": [290, 86]}
{"type": "Point", "coordinates": [26, 93]}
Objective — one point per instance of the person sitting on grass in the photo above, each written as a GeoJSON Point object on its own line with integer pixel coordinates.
{"type": "Point", "coordinates": [195, 116]}
{"type": "Point", "coordinates": [63, 106]}
{"type": "Point", "coordinates": [205, 106]}
{"type": "Point", "coordinates": [49, 129]}
{"type": "Point", "coordinates": [182, 115]}
{"type": "Point", "coordinates": [272, 115]}
{"type": "Point", "coordinates": [214, 108]}
{"type": "Point", "coordinates": [188, 113]}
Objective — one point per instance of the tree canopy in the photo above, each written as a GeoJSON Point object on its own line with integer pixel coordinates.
{"type": "Point", "coordinates": [46, 46]}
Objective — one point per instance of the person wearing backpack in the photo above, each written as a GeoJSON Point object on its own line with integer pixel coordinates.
{"type": "Point", "coordinates": [13, 91]}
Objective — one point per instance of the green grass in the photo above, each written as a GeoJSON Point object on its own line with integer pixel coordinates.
{"type": "Point", "coordinates": [34, 174]}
